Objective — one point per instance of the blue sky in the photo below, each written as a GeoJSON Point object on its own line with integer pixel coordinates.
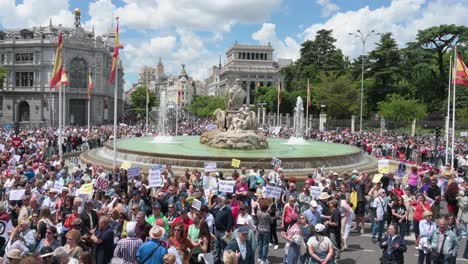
{"type": "Point", "coordinates": [196, 32]}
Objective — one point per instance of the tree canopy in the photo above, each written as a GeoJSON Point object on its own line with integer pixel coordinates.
{"type": "Point", "coordinates": [204, 106]}
{"type": "Point", "coordinates": [138, 100]}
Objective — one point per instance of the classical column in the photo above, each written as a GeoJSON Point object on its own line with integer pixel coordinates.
{"type": "Point", "coordinates": [287, 120]}
{"type": "Point", "coordinates": [274, 119]}
{"type": "Point", "coordinates": [413, 128]}
{"type": "Point", "coordinates": [322, 120]}
{"type": "Point", "coordinates": [263, 115]}
{"type": "Point", "coordinates": [258, 114]}
{"type": "Point", "coordinates": [353, 121]}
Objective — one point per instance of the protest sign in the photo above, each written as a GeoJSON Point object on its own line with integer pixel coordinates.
{"type": "Point", "coordinates": [210, 166]}
{"type": "Point", "coordinates": [17, 194]}
{"type": "Point", "coordinates": [158, 167]}
{"type": "Point", "coordinates": [86, 188]}
{"type": "Point", "coordinates": [73, 160]}
{"type": "Point", "coordinates": [273, 192]}
{"type": "Point", "coordinates": [210, 183]}
{"type": "Point", "coordinates": [133, 172]}
{"type": "Point", "coordinates": [17, 157]}
{"type": "Point", "coordinates": [464, 134]}
{"type": "Point", "coordinates": [377, 178]}
{"type": "Point", "coordinates": [315, 191]}
{"type": "Point", "coordinates": [235, 163]}
{"type": "Point", "coordinates": [384, 166]}
{"type": "Point", "coordinates": [226, 186]}
{"type": "Point", "coordinates": [155, 179]}
{"type": "Point", "coordinates": [102, 184]}
{"type": "Point", "coordinates": [126, 165]}
{"type": "Point", "coordinates": [275, 162]}
{"type": "Point", "coordinates": [58, 186]}
{"type": "Point", "coordinates": [5, 229]}
{"type": "Point", "coordinates": [16, 141]}
{"type": "Point", "coordinates": [196, 204]}
{"type": "Point", "coordinates": [2, 147]}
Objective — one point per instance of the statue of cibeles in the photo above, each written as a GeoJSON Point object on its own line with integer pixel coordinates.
{"type": "Point", "coordinates": [236, 96]}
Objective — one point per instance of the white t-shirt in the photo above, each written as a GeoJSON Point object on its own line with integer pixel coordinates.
{"type": "Point", "coordinates": [319, 246]}
{"type": "Point", "coordinates": [380, 204]}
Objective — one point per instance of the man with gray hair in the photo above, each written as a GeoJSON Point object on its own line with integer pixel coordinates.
{"type": "Point", "coordinates": [61, 255]}
{"type": "Point", "coordinates": [126, 248]}
{"type": "Point", "coordinates": [444, 242]}
{"type": "Point", "coordinates": [28, 234]}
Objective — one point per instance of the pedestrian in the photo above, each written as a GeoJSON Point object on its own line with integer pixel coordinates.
{"type": "Point", "coordinates": [426, 226]}
{"type": "Point", "coordinates": [223, 226]}
{"type": "Point", "coordinates": [420, 207]}
{"type": "Point", "coordinates": [264, 220]}
{"type": "Point", "coordinates": [399, 213]}
{"type": "Point", "coordinates": [274, 212]}
{"type": "Point", "coordinates": [153, 250]}
{"type": "Point", "coordinates": [294, 240]}
{"type": "Point", "coordinates": [444, 244]}
{"type": "Point", "coordinates": [242, 247]}
{"type": "Point", "coordinates": [380, 205]}
{"type": "Point", "coordinates": [127, 247]}
{"type": "Point", "coordinates": [334, 228]}
{"type": "Point", "coordinates": [320, 247]}
{"type": "Point", "coordinates": [103, 239]}
{"type": "Point", "coordinates": [289, 208]}
{"type": "Point", "coordinates": [394, 246]}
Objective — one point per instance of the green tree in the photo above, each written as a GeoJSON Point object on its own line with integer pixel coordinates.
{"type": "Point", "coordinates": [270, 96]}
{"type": "Point", "coordinates": [3, 75]}
{"type": "Point", "coordinates": [397, 108]}
{"type": "Point", "coordinates": [138, 100]}
{"type": "Point", "coordinates": [204, 106]}
{"type": "Point", "coordinates": [339, 93]}
{"type": "Point", "coordinates": [384, 68]}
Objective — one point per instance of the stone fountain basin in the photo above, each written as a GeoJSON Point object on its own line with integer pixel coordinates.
{"type": "Point", "coordinates": [189, 153]}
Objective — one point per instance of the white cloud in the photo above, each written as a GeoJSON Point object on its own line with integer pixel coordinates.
{"type": "Point", "coordinates": [100, 13]}
{"type": "Point", "coordinates": [402, 17]}
{"type": "Point", "coordinates": [209, 15]}
{"type": "Point", "coordinates": [328, 7]}
{"type": "Point", "coordinates": [30, 13]}
{"type": "Point", "coordinates": [287, 48]}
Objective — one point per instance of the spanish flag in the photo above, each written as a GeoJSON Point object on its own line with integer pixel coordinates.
{"type": "Point", "coordinates": [64, 78]}
{"type": "Point", "coordinates": [279, 93]}
{"type": "Point", "coordinates": [179, 94]}
{"type": "Point", "coordinates": [115, 55]}
{"type": "Point", "coordinates": [461, 71]}
{"type": "Point", "coordinates": [57, 70]}
{"type": "Point", "coordinates": [90, 84]}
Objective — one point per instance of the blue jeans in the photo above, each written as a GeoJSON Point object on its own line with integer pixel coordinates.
{"type": "Point", "coordinates": [263, 239]}
{"type": "Point", "coordinates": [377, 228]}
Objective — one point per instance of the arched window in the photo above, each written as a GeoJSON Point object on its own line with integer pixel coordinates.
{"type": "Point", "coordinates": [78, 73]}
{"type": "Point", "coordinates": [23, 111]}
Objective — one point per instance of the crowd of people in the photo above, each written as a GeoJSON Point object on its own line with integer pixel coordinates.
{"type": "Point", "coordinates": [52, 212]}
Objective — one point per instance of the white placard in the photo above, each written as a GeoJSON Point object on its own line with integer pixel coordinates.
{"type": "Point", "coordinates": [155, 179]}
{"type": "Point", "coordinates": [196, 204]}
{"type": "Point", "coordinates": [58, 186]}
{"type": "Point", "coordinates": [102, 184]}
{"type": "Point", "coordinates": [464, 134]}
{"type": "Point", "coordinates": [315, 191]}
{"type": "Point", "coordinates": [210, 166]}
{"type": "Point", "coordinates": [210, 183]}
{"type": "Point", "coordinates": [17, 157]}
{"type": "Point", "coordinates": [133, 172]}
{"type": "Point", "coordinates": [17, 194]}
{"type": "Point", "coordinates": [275, 162]}
{"type": "Point", "coordinates": [383, 166]}
{"type": "Point", "coordinates": [273, 192]}
{"type": "Point", "coordinates": [73, 160]}
{"type": "Point", "coordinates": [226, 186]}
{"type": "Point", "coordinates": [2, 147]}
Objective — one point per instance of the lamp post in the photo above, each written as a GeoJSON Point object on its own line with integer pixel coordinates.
{"type": "Point", "coordinates": [363, 38]}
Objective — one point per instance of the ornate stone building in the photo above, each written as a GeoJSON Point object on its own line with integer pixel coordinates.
{"type": "Point", "coordinates": [253, 65]}
{"type": "Point", "coordinates": [28, 55]}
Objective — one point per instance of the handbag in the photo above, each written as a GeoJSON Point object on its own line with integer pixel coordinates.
{"type": "Point", "coordinates": [435, 255]}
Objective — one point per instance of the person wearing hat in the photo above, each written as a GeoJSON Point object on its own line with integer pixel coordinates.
{"type": "Point", "coordinates": [245, 217]}
{"type": "Point", "coordinates": [14, 256]}
{"type": "Point", "coordinates": [426, 227]}
{"type": "Point", "coordinates": [47, 254]}
{"type": "Point", "coordinates": [320, 247]}
{"type": "Point", "coordinates": [50, 200]}
{"type": "Point", "coordinates": [126, 248]}
{"type": "Point", "coordinates": [323, 207]}
{"type": "Point", "coordinates": [313, 215]}
{"type": "Point", "coordinates": [136, 200]}
{"type": "Point", "coordinates": [242, 222]}
{"type": "Point", "coordinates": [242, 246]}
{"type": "Point", "coordinates": [157, 214]}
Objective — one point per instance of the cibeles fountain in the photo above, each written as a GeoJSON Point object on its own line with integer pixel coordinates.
{"type": "Point", "coordinates": [236, 126]}
{"type": "Point", "coordinates": [236, 137]}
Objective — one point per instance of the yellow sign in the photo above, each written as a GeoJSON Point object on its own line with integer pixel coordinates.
{"type": "Point", "coordinates": [126, 165]}
{"type": "Point", "coordinates": [235, 163]}
{"type": "Point", "coordinates": [384, 166]}
{"type": "Point", "coordinates": [377, 178]}
{"type": "Point", "coordinates": [86, 188]}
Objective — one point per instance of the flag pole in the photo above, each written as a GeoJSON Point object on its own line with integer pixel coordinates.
{"type": "Point", "coordinates": [64, 107]}
{"type": "Point", "coordinates": [177, 119]}
{"type": "Point", "coordinates": [278, 105]}
{"type": "Point", "coordinates": [447, 118]}
{"type": "Point", "coordinates": [116, 79]}
{"type": "Point", "coordinates": [147, 99]}
{"type": "Point", "coordinates": [453, 113]}
{"type": "Point", "coordinates": [89, 104]}
{"type": "Point", "coordinates": [307, 109]}
{"type": "Point", "coordinates": [60, 120]}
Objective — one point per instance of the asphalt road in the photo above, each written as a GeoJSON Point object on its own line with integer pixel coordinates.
{"type": "Point", "coordinates": [361, 250]}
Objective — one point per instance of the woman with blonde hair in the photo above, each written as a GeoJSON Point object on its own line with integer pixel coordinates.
{"type": "Point", "coordinates": [169, 259]}
{"type": "Point", "coordinates": [229, 257]}
{"type": "Point", "coordinates": [72, 248]}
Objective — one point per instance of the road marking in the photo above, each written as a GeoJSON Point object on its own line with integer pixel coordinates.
{"type": "Point", "coordinates": [368, 250]}
{"type": "Point", "coordinates": [458, 259]}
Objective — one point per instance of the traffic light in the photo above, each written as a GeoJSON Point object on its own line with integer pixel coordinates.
{"type": "Point", "coordinates": [437, 131]}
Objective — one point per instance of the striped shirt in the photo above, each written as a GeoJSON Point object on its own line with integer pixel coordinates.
{"type": "Point", "coordinates": [127, 248]}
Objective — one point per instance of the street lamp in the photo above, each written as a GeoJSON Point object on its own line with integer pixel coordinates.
{"type": "Point", "coordinates": [363, 38]}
